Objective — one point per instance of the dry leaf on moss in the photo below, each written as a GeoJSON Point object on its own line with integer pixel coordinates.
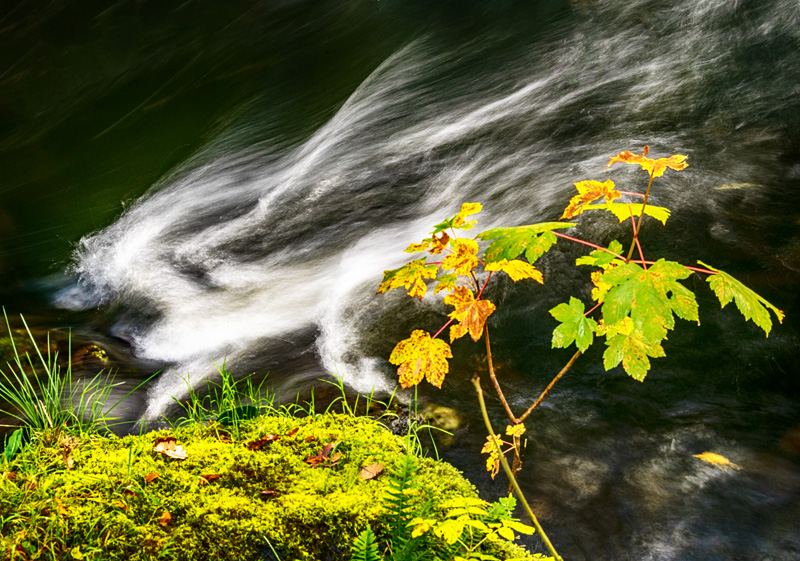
{"type": "Point", "coordinates": [267, 494]}
{"type": "Point", "coordinates": [168, 446]}
{"type": "Point", "coordinates": [371, 471]}
{"type": "Point", "coordinates": [151, 477]}
{"type": "Point", "coordinates": [324, 458]}
{"type": "Point", "coordinates": [165, 518]}
{"type": "Point", "coordinates": [260, 442]}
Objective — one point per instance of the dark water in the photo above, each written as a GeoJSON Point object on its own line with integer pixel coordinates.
{"type": "Point", "coordinates": [198, 181]}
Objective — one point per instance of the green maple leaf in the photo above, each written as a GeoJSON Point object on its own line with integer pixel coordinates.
{"type": "Point", "coordinates": [632, 350]}
{"type": "Point", "coordinates": [575, 326]}
{"type": "Point", "coordinates": [651, 299]}
{"type": "Point", "coordinates": [534, 240]}
{"type": "Point", "coordinates": [753, 306]}
{"type": "Point", "coordinates": [600, 258]}
{"type": "Point", "coordinates": [445, 282]}
{"type": "Point", "coordinates": [624, 211]}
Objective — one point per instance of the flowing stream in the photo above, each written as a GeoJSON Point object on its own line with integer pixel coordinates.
{"type": "Point", "coordinates": [274, 158]}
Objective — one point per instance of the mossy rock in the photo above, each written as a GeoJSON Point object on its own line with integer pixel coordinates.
{"type": "Point", "coordinates": [225, 500]}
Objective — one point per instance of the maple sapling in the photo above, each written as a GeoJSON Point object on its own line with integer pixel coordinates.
{"type": "Point", "coordinates": [635, 300]}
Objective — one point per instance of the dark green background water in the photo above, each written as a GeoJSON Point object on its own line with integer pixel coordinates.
{"type": "Point", "coordinates": [189, 181]}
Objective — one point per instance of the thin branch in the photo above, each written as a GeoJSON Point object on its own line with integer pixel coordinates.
{"type": "Point", "coordinates": [476, 381]}
{"type": "Point", "coordinates": [695, 269]}
{"type": "Point", "coordinates": [641, 254]}
{"type": "Point", "coordinates": [494, 378]}
{"type": "Point", "coordinates": [641, 217]}
{"type": "Point", "coordinates": [593, 308]}
{"type": "Point", "coordinates": [590, 244]}
{"type": "Point", "coordinates": [550, 386]}
{"type": "Point", "coordinates": [451, 320]}
{"type": "Point", "coordinates": [480, 293]}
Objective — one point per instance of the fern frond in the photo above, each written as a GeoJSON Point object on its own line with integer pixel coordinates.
{"type": "Point", "coordinates": [365, 547]}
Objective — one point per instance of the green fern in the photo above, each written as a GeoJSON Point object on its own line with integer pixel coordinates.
{"type": "Point", "coordinates": [365, 547]}
{"type": "Point", "coordinates": [400, 507]}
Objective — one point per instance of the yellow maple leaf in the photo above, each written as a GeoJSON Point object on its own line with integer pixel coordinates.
{"type": "Point", "coordinates": [716, 460]}
{"type": "Point", "coordinates": [433, 245]}
{"type": "Point", "coordinates": [420, 357]}
{"type": "Point", "coordinates": [410, 276]}
{"type": "Point", "coordinates": [601, 287]}
{"type": "Point", "coordinates": [420, 529]}
{"type": "Point", "coordinates": [516, 269]}
{"type": "Point", "coordinates": [515, 430]}
{"type": "Point", "coordinates": [470, 313]}
{"type": "Point", "coordinates": [624, 327]}
{"type": "Point", "coordinates": [467, 209]}
{"type": "Point", "coordinates": [589, 191]}
{"type": "Point", "coordinates": [464, 257]}
{"type": "Point", "coordinates": [655, 168]}
{"type": "Point", "coordinates": [493, 461]}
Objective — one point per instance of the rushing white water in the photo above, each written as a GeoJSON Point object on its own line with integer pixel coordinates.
{"type": "Point", "coordinates": [265, 249]}
{"type": "Point", "coordinates": [245, 247]}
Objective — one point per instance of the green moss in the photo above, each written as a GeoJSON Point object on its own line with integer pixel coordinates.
{"type": "Point", "coordinates": [104, 508]}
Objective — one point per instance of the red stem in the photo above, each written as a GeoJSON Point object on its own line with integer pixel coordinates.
{"type": "Point", "coordinates": [593, 309]}
{"type": "Point", "coordinates": [451, 320]}
{"type": "Point", "coordinates": [590, 244]}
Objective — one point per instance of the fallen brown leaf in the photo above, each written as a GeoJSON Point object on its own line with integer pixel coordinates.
{"type": "Point", "coordinates": [165, 518]}
{"type": "Point", "coordinates": [206, 479]}
{"type": "Point", "coordinates": [168, 446]}
{"type": "Point", "coordinates": [292, 432]}
{"type": "Point", "coordinates": [260, 442]}
{"type": "Point", "coordinates": [323, 458]}
{"type": "Point", "coordinates": [268, 494]}
{"type": "Point", "coordinates": [371, 471]}
{"type": "Point", "coordinates": [150, 477]}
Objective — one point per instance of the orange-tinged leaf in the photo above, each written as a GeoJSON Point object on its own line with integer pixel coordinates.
{"type": "Point", "coordinates": [516, 269]}
{"type": "Point", "coordinates": [208, 478]}
{"type": "Point", "coordinates": [589, 191]}
{"type": "Point", "coordinates": [371, 471]}
{"type": "Point", "coordinates": [655, 168]}
{"type": "Point", "coordinates": [168, 446]}
{"type": "Point", "coordinates": [150, 477]}
{"type": "Point", "coordinates": [716, 460]}
{"type": "Point", "coordinates": [420, 357]}
{"type": "Point", "coordinates": [292, 432]}
{"type": "Point", "coordinates": [464, 257]}
{"type": "Point", "coordinates": [165, 518]}
{"type": "Point", "coordinates": [470, 313]}
{"type": "Point", "coordinates": [433, 245]}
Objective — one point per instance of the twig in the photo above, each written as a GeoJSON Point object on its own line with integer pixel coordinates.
{"type": "Point", "coordinates": [550, 385]}
{"type": "Point", "coordinates": [476, 381]}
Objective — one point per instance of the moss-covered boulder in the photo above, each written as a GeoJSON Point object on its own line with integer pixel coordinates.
{"type": "Point", "coordinates": [290, 485]}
